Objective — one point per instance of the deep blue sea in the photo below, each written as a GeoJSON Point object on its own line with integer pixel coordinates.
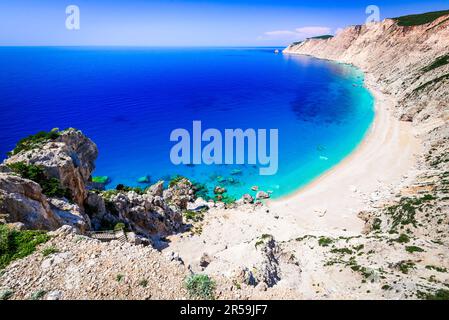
{"type": "Point", "coordinates": [128, 100]}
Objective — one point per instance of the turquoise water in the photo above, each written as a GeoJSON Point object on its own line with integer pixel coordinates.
{"type": "Point", "coordinates": [128, 100]}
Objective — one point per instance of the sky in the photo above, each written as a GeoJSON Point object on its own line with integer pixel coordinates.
{"type": "Point", "coordinates": [189, 22]}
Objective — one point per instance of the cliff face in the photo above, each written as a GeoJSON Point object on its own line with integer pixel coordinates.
{"type": "Point", "coordinates": [401, 60]}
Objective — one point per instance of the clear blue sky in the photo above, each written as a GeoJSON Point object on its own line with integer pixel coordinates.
{"type": "Point", "coordinates": [189, 22]}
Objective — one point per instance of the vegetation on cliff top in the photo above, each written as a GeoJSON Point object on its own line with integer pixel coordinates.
{"type": "Point", "coordinates": [323, 37]}
{"type": "Point", "coordinates": [34, 141]}
{"type": "Point", "coordinates": [18, 244]}
{"type": "Point", "coordinates": [419, 19]}
{"type": "Point", "coordinates": [51, 187]}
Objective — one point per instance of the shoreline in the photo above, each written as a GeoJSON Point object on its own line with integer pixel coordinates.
{"type": "Point", "coordinates": [375, 168]}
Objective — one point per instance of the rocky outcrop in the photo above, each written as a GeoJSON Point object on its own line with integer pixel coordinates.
{"type": "Point", "coordinates": [70, 158]}
{"type": "Point", "coordinates": [156, 211]}
{"type": "Point", "coordinates": [21, 200]}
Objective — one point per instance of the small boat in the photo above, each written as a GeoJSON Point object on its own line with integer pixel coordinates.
{"type": "Point", "coordinates": [276, 51]}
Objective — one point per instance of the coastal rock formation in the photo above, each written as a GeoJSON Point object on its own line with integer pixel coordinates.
{"type": "Point", "coordinates": [70, 158]}
{"type": "Point", "coordinates": [21, 200]}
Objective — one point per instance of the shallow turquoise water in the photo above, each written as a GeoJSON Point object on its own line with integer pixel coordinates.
{"type": "Point", "coordinates": [128, 100]}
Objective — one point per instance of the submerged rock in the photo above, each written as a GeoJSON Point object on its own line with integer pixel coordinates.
{"type": "Point", "coordinates": [144, 179]}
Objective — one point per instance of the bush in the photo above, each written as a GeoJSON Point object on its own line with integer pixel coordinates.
{"type": "Point", "coordinates": [34, 141]}
{"type": "Point", "coordinates": [200, 286]}
{"type": "Point", "coordinates": [119, 226]}
{"type": "Point", "coordinates": [51, 187]}
{"type": "Point", "coordinates": [413, 249]}
{"type": "Point", "coordinates": [6, 294]}
{"type": "Point", "coordinates": [122, 187]}
{"type": "Point", "coordinates": [325, 242]}
{"type": "Point", "coordinates": [18, 244]}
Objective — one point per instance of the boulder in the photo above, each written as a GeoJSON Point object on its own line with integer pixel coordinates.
{"type": "Point", "coordinates": [262, 195]}
{"type": "Point", "coordinates": [21, 200]}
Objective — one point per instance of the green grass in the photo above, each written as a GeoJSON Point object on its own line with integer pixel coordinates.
{"type": "Point", "coordinates": [200, 286]}
{"type": "Point", "coordinates": [51, 187]}
{"type": "Point", "coordinates": [419, 19]}
{"type": "Point", "coordinates": [49, 250]}
{"type": "Point", "coordinates": [34, 141]}
{"type": "Point", "coordinates": [439, 62]}
{"type": "Point", "coordinates": [18, 244]}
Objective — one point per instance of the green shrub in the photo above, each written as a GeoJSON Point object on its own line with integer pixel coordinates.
{"type": "Point", "coordinates": [38, 295]}
{"type": "Point", "coordinates": [51, 187]}
{"type": "Point", "coordinates": [438, 269]}
{"type": "Point", "coordinates": [6, 294]}
{"type": "Point", "coordinates": [34, 141]}
{"type": "Point", "coordinates": [441, 294]}
{"type": "Point", "coordinates": [175, 180]}
{"type": "Point", "coordinates": [143, 283]}
{"type": "Point", "coordinates": [403, 238]}
{"type": "Point", "coordinates": [200, 286]}
{"type": "Point", "coordinates": [119, 277]}
{"type": "Point", "coordinates": [412, 249]}
{"type": "Point", "coordinates": [122, 187]}
{"type": "Point", "coordinates": [119, 226]}
{"type": "Point", "coordinates": [325, 242]}
{"type": "Point", "coordinates": [18, 244]}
